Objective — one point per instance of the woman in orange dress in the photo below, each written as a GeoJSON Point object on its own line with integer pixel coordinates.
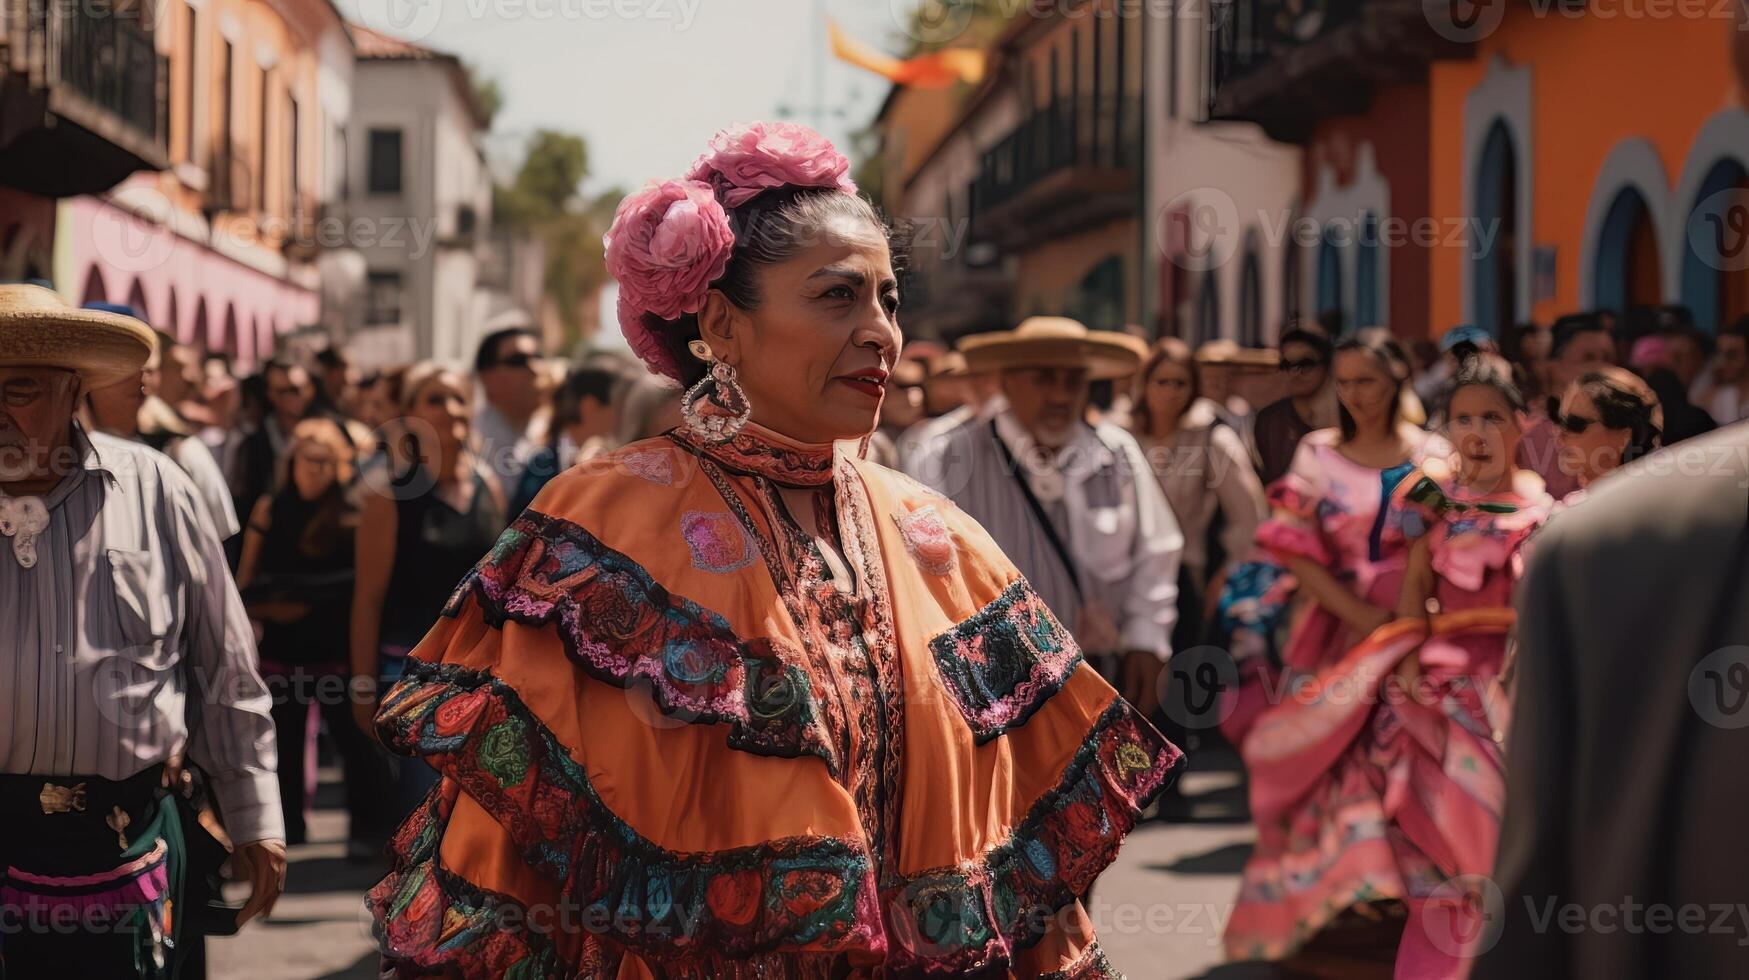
{"type": "Point", "coordinates": [735, 702]}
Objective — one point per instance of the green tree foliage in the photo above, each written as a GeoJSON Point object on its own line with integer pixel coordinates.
{"type": "Point", "coordinates": [546, 199]}
{"type": "Point", "coordinates": [487, 94]}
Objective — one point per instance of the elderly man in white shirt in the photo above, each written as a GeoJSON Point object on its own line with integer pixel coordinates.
{"type": "Point", "coordinates": [1074, 505]}
{"type": "Point", "coordinates": [127, 651]}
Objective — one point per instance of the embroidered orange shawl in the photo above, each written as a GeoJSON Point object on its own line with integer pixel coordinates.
{"type": "Point", "coordinates": [667, 750]}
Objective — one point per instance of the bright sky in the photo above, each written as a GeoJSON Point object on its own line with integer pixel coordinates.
{"type": "Point", "coordinates": [648, 81]}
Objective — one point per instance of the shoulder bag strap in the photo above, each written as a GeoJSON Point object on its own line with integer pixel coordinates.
{"type": "Point", "coordinates": [1038, 511]}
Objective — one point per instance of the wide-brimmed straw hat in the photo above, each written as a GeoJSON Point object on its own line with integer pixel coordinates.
{"type": "Point", "coordinates": [38, 329]}
{"type": "Point", "coordinates": [1056, 341]}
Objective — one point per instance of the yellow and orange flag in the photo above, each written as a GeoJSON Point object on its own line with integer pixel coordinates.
{"type": "Point", "coordinates": [938, 69]}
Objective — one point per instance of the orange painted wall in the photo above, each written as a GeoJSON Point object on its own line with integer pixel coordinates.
{"type": "Point", "coordinates": [1596, 82]}
{"type": "Point", "coordinates": [1396, 124]}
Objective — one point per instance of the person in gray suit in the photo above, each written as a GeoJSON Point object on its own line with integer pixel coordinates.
{"type": "Point", "coordinates": [1623, 851]}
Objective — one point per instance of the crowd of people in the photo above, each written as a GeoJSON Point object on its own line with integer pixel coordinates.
{"type": "Point", "coordinates": [569, 627]}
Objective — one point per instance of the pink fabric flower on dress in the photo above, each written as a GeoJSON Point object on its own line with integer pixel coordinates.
{"type": "Point", "coordinates": [744, 160]}
{"type": "Point", "coordinates": [668, 243]}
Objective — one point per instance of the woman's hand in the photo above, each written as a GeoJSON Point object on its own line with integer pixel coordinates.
{"type": "Point", "coordinates": [363, 691]}
{"type": "Point", "coordinates": [1141, 680]}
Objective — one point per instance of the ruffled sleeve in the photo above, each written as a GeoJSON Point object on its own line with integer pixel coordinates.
{"type": "Point", "coordinates": [1293, 529]}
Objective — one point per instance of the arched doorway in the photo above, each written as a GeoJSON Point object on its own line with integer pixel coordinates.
{"type": "Point", "coordinates": [1208, 308]}
{"type": "Point", "coordinates": [172, 324]}
{"type": "Point", "coordinates": [1290, 279]}
{"type": "Point", "coordinates": [1330, 276]}
{"type": "Point", "coordinates": [137, 300]}
{"type": "Point", "coordinates": [229, 337]}
{"type": "Point", "coordinates": [198, 335]}
{"type": "Point", "coordinates": [1627, 272]}
{"type": "Point", "coordinates": [1099, 302]}
{"type": "Point", "coordinates": [95, 291]}
{"type": "Point", "coordinates": [1494, 269]}
{"type": "Point", "coordinates": [1715, 255]}
{"type": "Point", "coordinates": [1250, 301]}
{"type": "Point", "coordinates": [1366, 272]}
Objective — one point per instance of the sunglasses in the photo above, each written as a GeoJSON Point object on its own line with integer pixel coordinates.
{"type": "Point", "coordinates": [1576, 424]}
{"type": "Point", "coordinates": [1301, 366]}
{"type": "Point", "coordinates": [521, 361]}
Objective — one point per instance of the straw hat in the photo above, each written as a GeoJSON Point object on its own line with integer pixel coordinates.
{"type": "Point", "coordinates": [38, 329]}
{"type": "Point", "coordinates": [1056, 341]}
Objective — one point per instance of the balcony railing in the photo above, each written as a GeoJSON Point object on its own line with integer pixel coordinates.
{"type": "Point", "coordinates": [1254, 33]}
{"type": "Point", "coordinates": [1066, 134]}
{"type": "Point", "coordinates": [1288, 64]}
{"type": "Point", "coordinates": [104, 53]}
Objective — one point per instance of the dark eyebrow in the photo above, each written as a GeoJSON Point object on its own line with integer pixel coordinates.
{"type": "Point", "coordinates": [855, 276]}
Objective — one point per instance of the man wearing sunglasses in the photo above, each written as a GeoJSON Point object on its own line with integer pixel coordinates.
{"type": "Point", "coordinates": [1310, 403]}
{"type": "Point", "coordinates": [509, 365]}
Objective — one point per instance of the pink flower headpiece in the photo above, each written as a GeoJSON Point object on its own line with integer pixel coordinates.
{"type": "Point", "coordinates": [744, 160]}
{"type": "Point", "coordinates": [672, 239]}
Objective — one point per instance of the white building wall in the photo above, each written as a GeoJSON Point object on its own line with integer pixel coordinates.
{"type": "Point", "coordinates": [1234, 180]}
{"type": "Point", "coordinates": [416, 232]}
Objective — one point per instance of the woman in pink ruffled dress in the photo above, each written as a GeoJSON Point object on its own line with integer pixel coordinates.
{"type": "Point", "coordinates": [1321, 841]}
{"type": "Point", "coordinates": [1406, 721]}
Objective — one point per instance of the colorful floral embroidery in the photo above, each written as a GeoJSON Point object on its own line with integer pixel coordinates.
{"type": "Point", "coordinates": [430, 921]}
{"type": "Point", "coordinates": [955, 921]}
{"type": "Point", "coordinates": [1090, 965]}
{"type": "Point", "coordinates": [812, 893]}
{"type": "Point", "coordinates": [717, 541]}
{"type": "Point", "coordinates": [1006, 661]}
{"type": "Point", "coordinates": [622, 627]}
{"type": "Point", "coordinates": [760, 452]}
{"type": "Point", "coordinates": [928, 540]}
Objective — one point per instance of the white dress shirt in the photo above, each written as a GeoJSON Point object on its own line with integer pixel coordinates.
{"type": "Point", "coordinates": [1103, 499]}
{"type": "Point", "coordinates": [126, 641]}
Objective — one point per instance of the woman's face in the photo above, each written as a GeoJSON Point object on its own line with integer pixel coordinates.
{"type": "Point", "coordinates": [814, 357]}
{"type": "Point", "coordinates": [1366, 389]}
{"type": "Point", "coordinates": [1590, 454]}
{"type": "Point", "coordinates": [1168, 391]}
{"type": "Point", "coordinates": [314, 468]}
{"type": "Point", "coordinates": [442, 405]}
{"type": "Point", "coordinates": [1486, 431]}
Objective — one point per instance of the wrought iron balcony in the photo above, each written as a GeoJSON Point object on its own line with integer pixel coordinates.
{"type": "Point", "coordinates": [84, 91]}
{"type": "Point", "coordinates": [1287, 64]}
{"type": "Point", "coordinates": [1072, 164]}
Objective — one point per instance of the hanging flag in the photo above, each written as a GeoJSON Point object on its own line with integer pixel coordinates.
{"type": "Point", "coordinates": [935, 70]}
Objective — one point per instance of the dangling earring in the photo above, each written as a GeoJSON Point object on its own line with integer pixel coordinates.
{"type": "Point", "coordinates": [727, 397]}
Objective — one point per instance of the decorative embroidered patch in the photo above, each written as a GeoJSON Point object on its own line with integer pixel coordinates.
{"type": "Point", "coordinates": [651, 465]}
{"type": "Point", "coordinates": [804, 891]}
{"type": "Point", "coordinates": [718, 542]}
{"type": "Point", "coordinates": [1006, 661]}
{"type": "Point", "coordinates": [928, 540]}
{"type": "Point", "coordinates": [624, 628]}
{"type": "Point", "coordinates": [958, 921]}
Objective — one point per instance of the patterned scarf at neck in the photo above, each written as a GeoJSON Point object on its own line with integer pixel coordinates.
{"type": "Point", "coordinates": [22, 519]}
{"type": "Point", "coordinates": [758, 451]}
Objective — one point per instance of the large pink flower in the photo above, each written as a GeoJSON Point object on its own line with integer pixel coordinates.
{"type": "Point", "coordinates": [747, 159]}
{"type": "Point", "coordinates": [644, 341]}
{"type": "Point", "coordinates": [668, 243]}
